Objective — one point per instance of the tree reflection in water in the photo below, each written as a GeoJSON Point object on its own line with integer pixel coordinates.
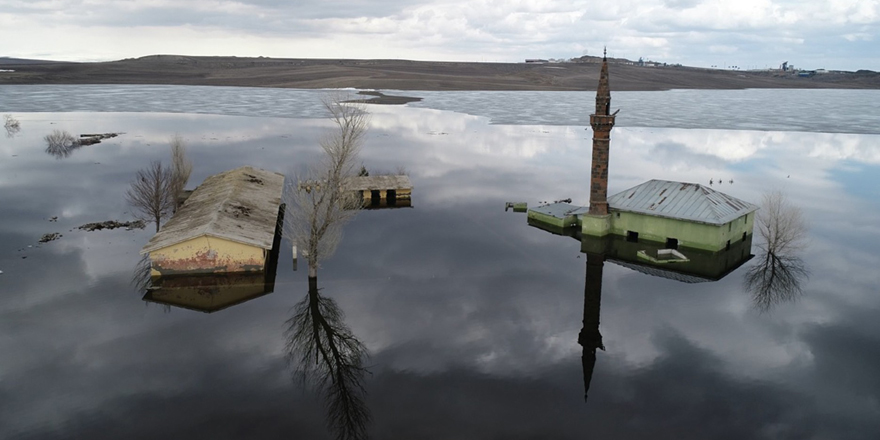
{"type": "Point", "coordinates": [777, 276]}
{"type": "Point", "coordinates": [326, 355]}
{"type": "Point", "coordinates": [61, 144]}
{"type": "Point", "coordinates": [324, 352]}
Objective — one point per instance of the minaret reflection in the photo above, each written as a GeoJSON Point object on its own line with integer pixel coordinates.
{"type": "Point", "coordinates": [590, 338]}
{"type": "Point", "coordinates": [690, 266]}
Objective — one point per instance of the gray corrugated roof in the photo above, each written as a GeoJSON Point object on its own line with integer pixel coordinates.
{"type": "Point", "coordinates": [239, 205]}
{"type": "Point", "coordinates": [560, 210]}
{"type": "Point", "coordinates": [365, 183]}
{"type": "Point", "coordinates": [686, 201]}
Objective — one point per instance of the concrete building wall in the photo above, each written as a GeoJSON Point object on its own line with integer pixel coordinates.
{"type": "Point", "coordinates": [549, 220]}
{"type": "Point", "coordinates": [207, 255]}
{"type": "Point", "coordinates": [689, 234]}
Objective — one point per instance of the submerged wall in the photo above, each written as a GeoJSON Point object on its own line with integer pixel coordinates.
{"type": "Point", "coordinates": [206, 255]}
{"type": "Point", "coordinates": [688, 233]}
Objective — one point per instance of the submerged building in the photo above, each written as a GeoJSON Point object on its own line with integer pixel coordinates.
{"type": "Point", "coordinates": [382, 191]}
{"type": "Point", "coordinates": [674, 214]}
{"type": "Point", "coordinates": [230, 223]}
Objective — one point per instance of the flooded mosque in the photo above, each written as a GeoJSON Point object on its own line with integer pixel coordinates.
{"type": "Point", "coordinates": [680, 231]}
{"type": "Point", "coordinates": [677, 215]}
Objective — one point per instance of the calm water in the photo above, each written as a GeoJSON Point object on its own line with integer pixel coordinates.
{"type": "Point", "coordinates": [470, 316]}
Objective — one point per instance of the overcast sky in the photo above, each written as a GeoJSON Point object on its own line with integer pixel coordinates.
{"type": "Point", "coordinates": [832, 34]}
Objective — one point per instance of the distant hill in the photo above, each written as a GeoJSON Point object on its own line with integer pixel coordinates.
{"type": "Point", "coordinates": [582, 74]}
{"type": "Point", "coordinates": [24, 61]}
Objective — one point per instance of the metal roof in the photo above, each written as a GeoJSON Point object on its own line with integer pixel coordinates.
{"type": "Point", "coordinates": [366, 183]}
{"type": "Point", "coordinates": [239, 205]}
{"type": "Point", "coordinates": [679, 200]}
{"type": "Point", "coordinates": [560, 210]}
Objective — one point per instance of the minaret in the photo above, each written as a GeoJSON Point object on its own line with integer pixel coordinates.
{"type": "Point", "coordinates": [602, 122]}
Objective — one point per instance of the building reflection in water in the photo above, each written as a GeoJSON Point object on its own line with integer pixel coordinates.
{"type": "Point", "coordinates": [697, 267]}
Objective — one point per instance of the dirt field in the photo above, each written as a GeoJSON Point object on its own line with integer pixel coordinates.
{"type": "Point", "coordinates": [408, 75]}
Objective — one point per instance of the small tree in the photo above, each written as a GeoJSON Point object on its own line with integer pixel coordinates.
{"type": "Point", "coordinates": [150, 193]}
{"type": "Point", "coordinates": [319, 202]}
{"type": "Point", "coordinates": [181, 167]}
{"type": "Point", "coordinates": [61, 144]}
{"type": "Point", "coordinates": [11, 125]}
{"type": "Point", "coordinates": [781, 225]}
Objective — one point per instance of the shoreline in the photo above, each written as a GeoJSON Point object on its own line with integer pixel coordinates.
{"type": "Point", "coordinates": [406, 75]}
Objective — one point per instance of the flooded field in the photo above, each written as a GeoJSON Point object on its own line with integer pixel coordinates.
{"type": "Point", "coordinates": [470, 318]}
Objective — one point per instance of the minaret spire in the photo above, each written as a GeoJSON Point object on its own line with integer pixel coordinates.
{"type": "Point", "coordinates": [602, 122]}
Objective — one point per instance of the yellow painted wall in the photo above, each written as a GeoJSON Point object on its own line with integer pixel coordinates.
{"type": "Point", "coordinates": [207, 255]}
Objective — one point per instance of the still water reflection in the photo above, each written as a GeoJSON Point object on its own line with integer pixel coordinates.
{"type": "Point", "coordinates": [471, 317]}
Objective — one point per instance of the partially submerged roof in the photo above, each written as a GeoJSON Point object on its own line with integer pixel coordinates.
{"type": "Point", "coordinates": [239, 205]}
{"type": "Point", "coordinates": [678, 200]}
{"type": "Point", "coordinates": [560, 209]}
{"type": "Point", "coordinates": [367, 183]}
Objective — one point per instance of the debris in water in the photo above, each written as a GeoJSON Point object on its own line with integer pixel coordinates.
{"type": "Point", "coordinates": [113, 224]}
{"type": "Point", "coordinates": [49, 237]}
{"type": "Point", "coordinates": [95, 138]}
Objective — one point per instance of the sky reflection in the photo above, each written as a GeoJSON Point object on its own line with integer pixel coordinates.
{"type": "Point", "coordinates": [471, 316]}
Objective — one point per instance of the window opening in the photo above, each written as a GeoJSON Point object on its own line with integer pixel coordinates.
{"type": "Point", "coordinates": [632, 236]}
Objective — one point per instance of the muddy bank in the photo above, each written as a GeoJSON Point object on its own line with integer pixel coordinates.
{"type": "Point", "coordinates": [381, 98]}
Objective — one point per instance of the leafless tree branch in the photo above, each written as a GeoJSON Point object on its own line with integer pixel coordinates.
{"type": "Point", "coordinates": [318, 202]}
{"type": "Point", "coordinates": [150, 193]}
{"type": "Point", "coordinates": [181, 167]}
{"type": "Point", "coordinates": [11, 125]}
{"type": "Point", "coordinates": [61, 144]}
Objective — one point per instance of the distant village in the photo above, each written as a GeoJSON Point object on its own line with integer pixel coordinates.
{"type": "Point", "coordinates": [784, 69]}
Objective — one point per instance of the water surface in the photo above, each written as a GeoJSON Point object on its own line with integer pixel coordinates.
{"type": "Point", "coordinates": [471, 317]}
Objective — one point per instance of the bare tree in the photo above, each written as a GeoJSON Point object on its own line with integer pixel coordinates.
{"type": "Point", "coordinates": [61, 144]}
{"type": "Point", "coordinates": [150, 193]}
{"type": "Point", "coordinates": [328, 356]}
{"type": "Point", "coordinates": [781, 225]}
{"type": "Point", "coordinates": [783, 232]}
{"type": "Point", "coordinates": [181, 167]}
{"type": "Point", "coordinates": [319, 203]}
{"type": "Point", "coordinates": [11, 125]}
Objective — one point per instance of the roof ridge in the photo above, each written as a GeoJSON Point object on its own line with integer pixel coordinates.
{"type": "Point", "coordinates": [227, 190]}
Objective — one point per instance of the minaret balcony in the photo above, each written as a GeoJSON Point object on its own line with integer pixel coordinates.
{"type": "Point", "coordinates": [602, 121]}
